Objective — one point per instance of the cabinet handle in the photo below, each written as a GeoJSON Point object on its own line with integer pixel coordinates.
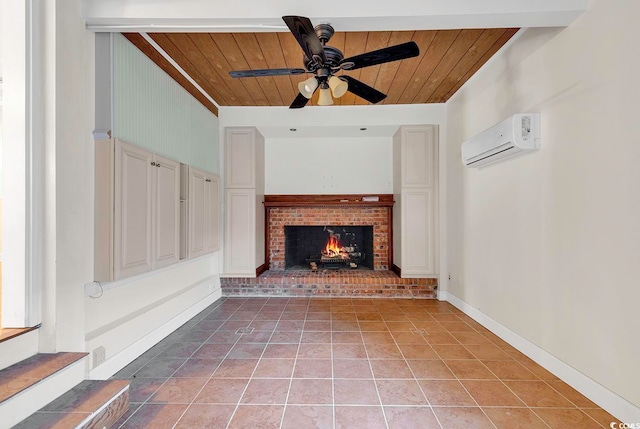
{"type": "Point", "coordinates": [153, 163]}
{"type": "Point", "coordinates": [207, 180]}
{"type": "Point", "coordinates": [157, 164]}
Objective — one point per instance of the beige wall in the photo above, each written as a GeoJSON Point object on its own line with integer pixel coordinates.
{"type": "Point", "coordinates": [548, 244]}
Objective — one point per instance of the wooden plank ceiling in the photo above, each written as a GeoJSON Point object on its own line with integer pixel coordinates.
{"type": "Point", "coordinates": [448, 58]}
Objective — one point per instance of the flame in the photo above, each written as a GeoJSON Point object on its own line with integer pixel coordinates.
{"type": "Point", "coordinates": [333, 247]}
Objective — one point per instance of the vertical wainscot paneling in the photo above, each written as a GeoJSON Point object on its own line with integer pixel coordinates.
{"type": "Point", "coordinates": [152, 111]}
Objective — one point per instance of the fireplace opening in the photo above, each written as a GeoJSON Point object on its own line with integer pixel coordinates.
{"type": "Point", "coordinates": [328, 247]}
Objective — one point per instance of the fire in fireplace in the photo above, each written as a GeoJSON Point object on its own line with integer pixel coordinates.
{"type": "Point", "coordinates": [328, 247]}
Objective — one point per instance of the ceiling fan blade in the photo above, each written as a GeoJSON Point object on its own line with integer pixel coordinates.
{"type": "Point", "coordinates": [363, 90]}
{"type": "Point", "coordinates": [381, 56]}
{"type": "Point", "coordinates": [299, 102]}
{"type": "Point", "coordinates": [265, 72]}
{"type": "Point", "coordinates": [304, 33]}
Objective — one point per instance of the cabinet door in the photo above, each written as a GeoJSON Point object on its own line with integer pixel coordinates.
{"type": "Point", "coordinates": [132, 217]}
{"type": "Point", "coordinates": [417, 156]}
{"type": "Point", "coordinates": [166, 204]}
{"type": "Point", "coordinates": [240, 231]}
{"type": "Point", "coordinates": [418, 232]}
{"type": "Point", "coordinates": [240, 162]}
{"type": "Point", "coordinates": [197, 212]}
{"type": "Point", "coordinates": [212, 213]}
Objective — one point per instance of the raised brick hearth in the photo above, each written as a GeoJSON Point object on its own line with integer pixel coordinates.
{"type": "Point", "coordinates": [384, 284]}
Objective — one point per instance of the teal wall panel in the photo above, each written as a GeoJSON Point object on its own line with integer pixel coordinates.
{"type": "Point", "coordinates": [152, 111]}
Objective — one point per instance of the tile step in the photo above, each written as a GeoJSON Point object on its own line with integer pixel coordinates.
{"type": "Point", "coordinates": [31, 383]}
{"type": "Point", "coordinates": [90, 404]}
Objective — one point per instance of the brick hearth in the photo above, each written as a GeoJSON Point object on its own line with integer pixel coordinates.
{"type": "Point", "coordinates": [343, 283]}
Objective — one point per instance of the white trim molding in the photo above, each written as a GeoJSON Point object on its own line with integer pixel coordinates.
{"type": "Point", "coordinates": [121, 359]}
{"type": "Point", "coordinates": [603, 397]}
{"type": "Point", "coordinates": [231, 16]}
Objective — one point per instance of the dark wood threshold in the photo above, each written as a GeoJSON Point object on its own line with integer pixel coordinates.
{"type": "Point", "coordinates": [8, 333]}
{"type": "Point", "coordinates": [396, 269]}
{"type": "Point", "coordinates": [261, 269]}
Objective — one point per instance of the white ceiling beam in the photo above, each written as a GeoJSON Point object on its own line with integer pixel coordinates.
{"type": "Point", "coordinates": [355, 15]}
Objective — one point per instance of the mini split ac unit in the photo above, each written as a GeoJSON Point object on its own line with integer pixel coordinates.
{"type": "Point", "coordinates": [517, 134]}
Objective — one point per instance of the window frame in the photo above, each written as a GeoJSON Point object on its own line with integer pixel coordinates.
{"type": "Point", "coordinates": [23, 165]}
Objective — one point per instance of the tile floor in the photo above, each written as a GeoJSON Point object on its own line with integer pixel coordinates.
{"type": "Point", "coordinates": [345, 363]}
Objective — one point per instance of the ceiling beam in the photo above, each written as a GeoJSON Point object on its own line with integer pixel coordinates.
{"type": "Point", "coordinates": [355, 15]}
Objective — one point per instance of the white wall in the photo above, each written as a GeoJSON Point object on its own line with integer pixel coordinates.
{"type": "Point", "coordinates": [328, 166]}
{"type": "Point", "coordinates": [127, 319]}
{"type": "Point", "coordinates": [548, 244]}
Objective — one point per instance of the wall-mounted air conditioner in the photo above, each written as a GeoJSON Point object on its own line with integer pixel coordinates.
{"type": "Point", "coordinates": [517, 134]}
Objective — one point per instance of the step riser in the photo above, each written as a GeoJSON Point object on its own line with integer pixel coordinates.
{"type": "Point", "coordinates": [27, 402]}
{"type": "Point", "coordinates": [17, 349]}
{"type": "Point", "coordinates": [106, 416]}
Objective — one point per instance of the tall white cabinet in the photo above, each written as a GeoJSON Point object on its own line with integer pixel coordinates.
{"type": "Point", "coordinates": [142, 213]}
{"type": "Point", "coordinates": [415, 241]}
{"type": "Point", "coordinates": [244, 247]}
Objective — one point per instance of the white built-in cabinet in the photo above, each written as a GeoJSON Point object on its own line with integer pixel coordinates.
{"type": "Point", "coordinates": [201, 190]}
{"type": "Point", "coordinates": [415, 241]}
{"type": "Point", "coordinates": [147, 211]}
{"type": "Point", "coordinates": [244, 196]}
{"type": "Point", "coordinates": [141, 211]}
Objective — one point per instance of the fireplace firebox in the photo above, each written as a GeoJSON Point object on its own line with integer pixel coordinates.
{"type": "Point", "coordinates": [328, 247]}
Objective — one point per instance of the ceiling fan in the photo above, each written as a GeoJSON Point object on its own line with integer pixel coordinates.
{"type": "Point", "coordinates": [324, 61]}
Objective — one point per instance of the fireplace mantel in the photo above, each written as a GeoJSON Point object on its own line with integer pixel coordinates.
{"type": "Point", "coordinates": [344, 200]}
{"type": "Point", "coordinates": [354, 209]}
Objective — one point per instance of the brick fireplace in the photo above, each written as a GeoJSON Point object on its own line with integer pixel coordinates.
{"type": "Point", "coordinates": [272, 279]}
{"type": "Point", "coordinates": [323, 210]}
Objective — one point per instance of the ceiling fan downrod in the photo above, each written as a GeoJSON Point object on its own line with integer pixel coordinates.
{"type": "Point", "coordinates": [324, 32]}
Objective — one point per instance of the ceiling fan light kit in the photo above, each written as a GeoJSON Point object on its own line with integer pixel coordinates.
{"type": "Point", "coordinates": [324, 61]}
{"type": "Point", "coordinates": [308, 87]}
{"type": "Point", "coordinates": [338, 86]}
{"type": "Point", "coordinates": [325, 97]}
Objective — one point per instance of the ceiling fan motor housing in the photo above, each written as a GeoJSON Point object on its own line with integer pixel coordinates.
{"type": "Point", "coordinates": [334, 56]}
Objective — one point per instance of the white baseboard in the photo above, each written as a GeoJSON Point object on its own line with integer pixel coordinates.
{"type": "Point", "coordinates": [123, 358]}
{"type": "Point", "coordinates": [603, 397]}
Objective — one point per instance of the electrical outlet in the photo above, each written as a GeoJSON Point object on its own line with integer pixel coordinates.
{"type": "Point", "coordinates": [99, 356]}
